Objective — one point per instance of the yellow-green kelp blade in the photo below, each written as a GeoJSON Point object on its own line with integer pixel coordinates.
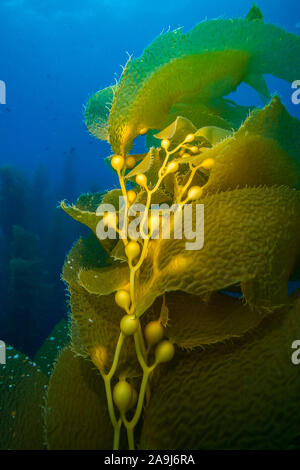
{"type": "Point", "coordinates": [251, 236]}
{"type": "Point", "coordinates": [97, 111]}
{"type": "Point", "coordinates": [210, 61]}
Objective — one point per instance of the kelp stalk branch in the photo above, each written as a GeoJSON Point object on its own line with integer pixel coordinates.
{"type": "Point", "coordinates": [123, 393]}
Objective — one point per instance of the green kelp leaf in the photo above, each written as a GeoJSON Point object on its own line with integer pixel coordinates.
{"type": "Point", "coordinates": [200, 115]}
{"type": "Point", "coordinates": [238, 395]}
{"type": "Point", "coordinates": [259, 153]}
{"type": "Point", "coordinates": [151, 140]}
{"type": "Point", "coordinates": [22, 389]}
{"type": "Point", "coordinates": [251, 236]}
{"type": "Point", "coordinates": [250, 161]}
{"type": "Point", "coordinates": [97, 111]}
{"type": "Point", "coordinates": [222, 113]}
{"type": "Point", "coordinates": [275, 122]}
{"type": "Point", "coordinates": [104, 281]}
{"type": "Point", "coordinates": [150, 166]}
{"type": "Point", "coordinates": [259, 84]}
{"type": "Point", "coordinates": [89, 201]}
{"type": "Point", "coordinates": [112, 197]}
{"type": "Point", "coordinates": [141, 167]}
{"type": "Point", "coordinates": [91, 220]}
{"type": "Point", "coordinates": [159, 197]}
{"type": "Point", "coordinates": [52, 346]}
{"type": "Point", "coordinates": [177, 131]}
{"type": "Point", "coordinates": [76, 416]}
{"type": "Point", "coordinates": [255, 14]}
{"type": "Point", "coordinates": [76, 344]}
{"type": "Point", "coordinates": [214, 135]}
{"type": "Point", "coordinates": [86, 253]}
{"type": "Point", "coordinates": [231, 112]}
{"type": "Point", "coordinates": [210, 61]}
{"type": "Point", "coordinates": [205, 322]}
{"type": "Point", "coordinates": [118, 253]}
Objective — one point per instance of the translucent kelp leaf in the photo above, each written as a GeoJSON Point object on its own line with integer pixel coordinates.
{"type": "Point", "coordinates": [104, 281]}
{"type": "Point", "coordinates": [210, 61]}
{"type": "Point", "coordinates": [177, 131]}
{"type": "Point", "coordinates": [22, 385]}
{"type": "Point", "coordinates": [56, 341]}
{"type": "Point", "coordinates": [265, 150]}
{"type": "Point", "coordinates": [274, 122]}
{"type": "Point", "coordinates": [199, 114]}
{"type": "Point", "coordinates": [91, 220]}
{"type": "Point", "coordinates": [118, 253]}
{"type": "Point", "coordinates": [97, 111]}
{"type": "Point", "coordinates": [76, 416]}
{"type": "Point", "coordinates": [255, 14]}
{"type": "Point", "coordinates": [112, 197]}
{"type": "Point", "coordinates": [152, 141]}
{"type": "Point", "coordinates": [89, 201]}
{"type": "Point", "coordinates": [221, 113]}
{"type": "Point", "coordinates": [251, 236]}
{"type": "Point", "coordinates": [238, 395]}
{"type": "Point", "coordinates": [214, 135]}
{"type": "Point", "coordinates": [141, 167]}
{"type": "Point", "coordinates": [258, 83]}
{"type": "Point", "coordinates": [150, 166]}
{"type": "Point", "coordinates": [159, 197]}
{"type": "Point", "coordinates": [207, 321]}
{"type": "Point", "coordinates": [86, 253]}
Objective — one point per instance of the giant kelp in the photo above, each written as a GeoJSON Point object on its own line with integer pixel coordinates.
{"type": "Point", "coordinates": [241, 164]}
{"type": "Point", "coordinates": [156, 346]}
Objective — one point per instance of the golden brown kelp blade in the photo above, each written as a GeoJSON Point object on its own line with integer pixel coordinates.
{"type": "Point", "coordinates": [242, 395]}
{"type": "Point", "coordinates": [251, 236]}
{"type": "Point", "coordinates": [264, 151]}
{"type": "Point", "coordinates": [207, 321]}
{"type": "Point", "coordinates": [76, 416]}
{"type": "Point", "coordinates": [95, 316]}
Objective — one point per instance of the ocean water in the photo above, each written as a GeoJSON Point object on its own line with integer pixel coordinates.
{"type": "Point", "coordinates": [54, 55]}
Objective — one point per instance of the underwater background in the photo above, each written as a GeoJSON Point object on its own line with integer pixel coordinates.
{"type": "Point", "coordinates": [54, 56]}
